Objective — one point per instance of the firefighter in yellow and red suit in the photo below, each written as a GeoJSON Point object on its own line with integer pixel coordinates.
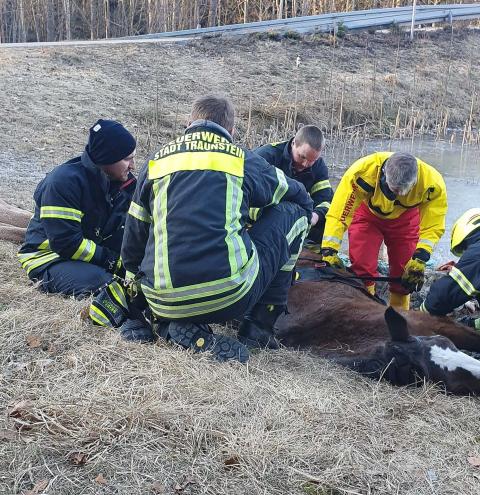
{"type": "Point", "coordinates": [390, 197]}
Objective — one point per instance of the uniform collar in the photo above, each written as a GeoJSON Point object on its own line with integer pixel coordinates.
{"type": "Point", "coordinates": [287, 156]}
{"type": "Point", "coordinates": [390, 195]}
{"type": "Point", "coordinates": [95, 169]}
{"type": "Point", "coordinates": [208, 124]}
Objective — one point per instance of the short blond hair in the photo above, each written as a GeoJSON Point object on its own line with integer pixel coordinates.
{"type": "Point", "coordinates": [218, 109]}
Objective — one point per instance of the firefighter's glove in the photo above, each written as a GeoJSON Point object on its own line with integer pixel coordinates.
{"type": "Point", "coordinates": [414, 272]}
{"type": "Point", "coordinates": [115, 266]}
{"type": "Point", "coordinates": [109, 307]}
{"type": "Point", "coordinates": [330, 256]}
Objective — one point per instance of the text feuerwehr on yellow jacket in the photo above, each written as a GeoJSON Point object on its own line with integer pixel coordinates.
{"type": "Point", "coordinates": [361, 183]}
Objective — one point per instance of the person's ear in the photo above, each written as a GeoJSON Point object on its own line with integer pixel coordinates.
{"type": "Point", "coordinates": [231, 131]}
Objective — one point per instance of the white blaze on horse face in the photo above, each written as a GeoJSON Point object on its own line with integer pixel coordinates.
{"type": "Point", "coordinates": [454, 359]}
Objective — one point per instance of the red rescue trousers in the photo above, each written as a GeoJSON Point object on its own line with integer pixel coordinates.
{"type": "Point", "coordinates": [365, 236]}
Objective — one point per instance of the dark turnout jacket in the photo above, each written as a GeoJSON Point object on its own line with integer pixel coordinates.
{"type": "Point", "coordinates": [460, 285]}
{"type": "Point", "coordinates": [315, 179]}
{"type": "Point", "coordinates": [79, 215]}
{"type": "Point", "coordinates": [186, 236]}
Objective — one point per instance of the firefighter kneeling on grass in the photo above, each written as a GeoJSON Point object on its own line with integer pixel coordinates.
{"type": "Point", "coordinates": [463, 280]}
{"type": "Point", "coordinates": [390, 197]}
{"type": "Point", "coordinates": [72, 244]}
{"type": "Point", "coordinates": [187, 247]}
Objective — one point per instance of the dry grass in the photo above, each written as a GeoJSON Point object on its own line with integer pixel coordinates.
{"type": "Point", "coordinates": [77, 403]}
{"type": "Point", "coordinates": [358, 87]}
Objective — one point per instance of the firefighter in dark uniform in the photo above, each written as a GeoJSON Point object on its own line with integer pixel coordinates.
{"type": "Point", "coordinates": [187, 245]}
{"type": "Point", "coordinates": [463, 280]}
{"type": "Point", "coordinates": [301, 159]}
{"type": "Point", "coordinates": [72, 244]}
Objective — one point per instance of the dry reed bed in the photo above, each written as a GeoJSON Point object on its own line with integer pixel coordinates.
{"type": "Point", "coordinates": [83, 412]}
{"type": "Point", "coordinates": [77, 403]}
{"type": "Point", "coordinates": [358, 87]}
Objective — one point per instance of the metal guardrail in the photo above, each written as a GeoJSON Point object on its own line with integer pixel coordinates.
{"type": "Point", "coordinates": [356, 20]}
{"type": "Point", "coordinates": [360, 19]}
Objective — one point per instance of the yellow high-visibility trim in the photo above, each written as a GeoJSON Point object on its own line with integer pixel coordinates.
{"type": "Point", "coordinates": [300, 227]}
{"type": "Point", "coordinates": [139, 212]}
{"type": "Point", "coordinates": [23, 257]}
{"type": "Point", "coordinates": [206, 289]}
{"type": "Point", "coordinates": [117, 292]}
{"type": "Point", "coordinates": [61, 212]}
{"type": "Point", "coordinates": [199, 308]}
{"type": "Point", "coordinates": [254, 213]}
{"type": "Point", "coordinates": [98, 316]}
{"type": "Point", "coordinates": [237, 254]}
{"type": "Point", "coordinates": [200, 160]}
{"type": "Point", "coordinates": [318, 186]}
{"type": "Point", "coordinates": [331, 242]}
{"type": "Point", "coordinates": [162, 279]}
{"type": "Point", "coordinates": [423, 308]}
{"type": "Point", "coordinates": [31, 264]}
{"type": "Point", "coordinates": [425, 244]}
{"type": "Point", "coordinates": [463, 282]}
{"type": "Point", "coordinates": [324, 204]}
{"type": "Point", "coordinates": [85, 251]}
{"type": "Point", "coordinates": [282, 187]}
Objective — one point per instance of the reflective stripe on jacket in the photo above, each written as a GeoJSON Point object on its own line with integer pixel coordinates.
{"type": "Point", "coordinates": [460, 285]}
{"type": "Point", "coordinates": [79, 215]}
{"type": "Point", "coordinates": [315, 179]}
{"type": "Point", "coordinates": [186, 228]}
{"type": "Point", "coordinates": [361, 182]}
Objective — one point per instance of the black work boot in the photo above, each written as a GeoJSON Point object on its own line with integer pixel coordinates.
{"type": "Point", "coordinates": [137, 331]}
{"type": "Point", "coordinates": [257, 328]}
{"type": "Point", "coordinates": [200, 338]}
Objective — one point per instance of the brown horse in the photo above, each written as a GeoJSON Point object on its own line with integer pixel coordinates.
{"type": "Point", "coordinates": [344, 324]}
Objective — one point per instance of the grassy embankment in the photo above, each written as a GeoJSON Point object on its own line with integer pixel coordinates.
{"type": "Point", "coordinates": [84, 413]}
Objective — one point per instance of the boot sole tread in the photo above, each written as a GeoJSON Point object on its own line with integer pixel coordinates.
{"type": "Point", "coordinates": [221, 346]}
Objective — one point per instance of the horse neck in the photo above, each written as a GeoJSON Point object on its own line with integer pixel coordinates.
{"type": "Point", "coordinates": [462, 336]}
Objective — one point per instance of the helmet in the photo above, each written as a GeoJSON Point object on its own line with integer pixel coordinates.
{"type": "Point", "coordinates": [462, 228]}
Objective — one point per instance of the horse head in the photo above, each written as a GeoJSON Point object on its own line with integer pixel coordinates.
{"type": "Point", "coordinates": [406, 360]}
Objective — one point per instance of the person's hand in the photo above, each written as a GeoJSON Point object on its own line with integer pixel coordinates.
{"type": "Point", "coordinates": [114, 265]}
{"type": "Point", "coordinates": [472, 306]}
{"type": "Point", "coordinates": [446, 267]}
{"type": "Point", "coordinates": [315, 219]}
{"type": "Point", "coordinates": [330, 256]}
{"type": "Point", "coordinates": [413, 275]}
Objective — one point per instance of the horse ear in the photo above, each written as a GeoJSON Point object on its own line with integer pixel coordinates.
{"type": "Point", "coordinates": [397, 325]}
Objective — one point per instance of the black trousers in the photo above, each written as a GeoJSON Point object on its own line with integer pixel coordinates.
{"type": "Point", "coordinates": [71, 278]}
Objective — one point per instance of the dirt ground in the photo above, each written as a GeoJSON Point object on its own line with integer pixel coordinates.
{"type": "Point", "coordinates": [82, 412]}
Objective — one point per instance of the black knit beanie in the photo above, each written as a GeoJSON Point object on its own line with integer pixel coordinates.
{"type": "Point", "coordinates": [109, 142]}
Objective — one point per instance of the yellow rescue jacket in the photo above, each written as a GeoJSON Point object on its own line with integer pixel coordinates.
{"type": "Point", "coordinates": [361, 183]}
